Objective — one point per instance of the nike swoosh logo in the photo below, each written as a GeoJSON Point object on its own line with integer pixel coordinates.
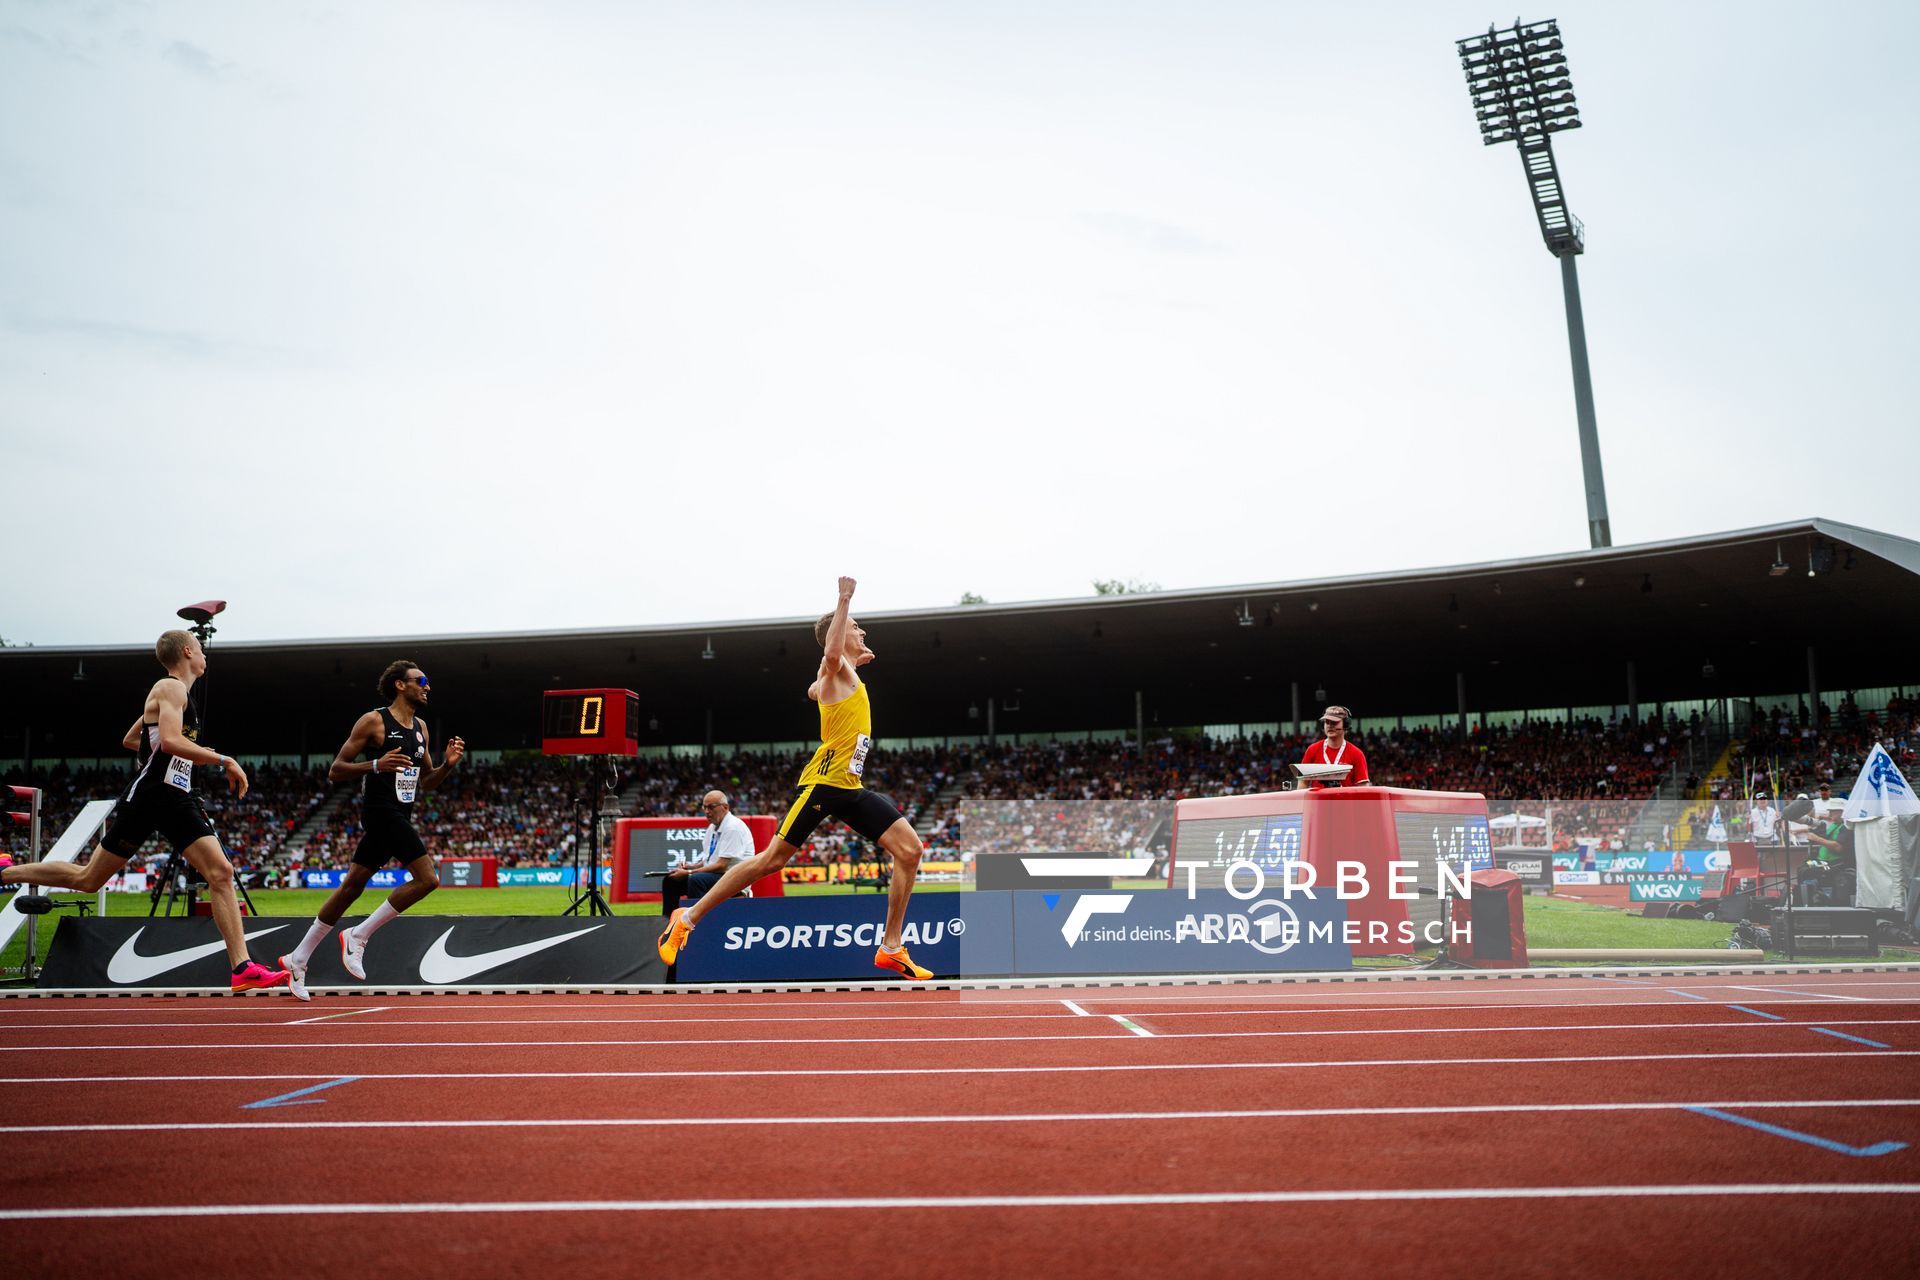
{"type": "Point", "coordinates": [128, 966]}
{"type": "Point", "coordinates": [437, 968]}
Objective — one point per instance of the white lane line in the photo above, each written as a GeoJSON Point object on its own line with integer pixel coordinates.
{"type": "Point", "coordinates": [1053, 1117]}
{"type": "Point", "coordinates": [350, 1013]}
{"type": "Point", "coordinates": [1044, 1014]}
{"type": "Point", "coordinates": [1240, 993]}
{"type": "Point", "coordinates": [1823, 995]}
{"type": "Point", "coordinates": [1322, 1063]}
{"type": "Point", "coordinates": [1097, 1201]}
{"type": "Point", "coordinates": [1130, 1025]}
{"type": "Point", "coordinates": [1086, 1037]}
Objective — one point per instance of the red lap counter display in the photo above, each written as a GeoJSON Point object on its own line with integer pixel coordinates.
{"type": "Point", "coordinates": [1368, 826]}
{"type": "Point", "coordinates": [645, 847]}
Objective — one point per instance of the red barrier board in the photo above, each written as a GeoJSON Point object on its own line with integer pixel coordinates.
{"type": "Point", "coordinates": [637, 846]}
{"type": "Point", "coordinates": [1489, 927]}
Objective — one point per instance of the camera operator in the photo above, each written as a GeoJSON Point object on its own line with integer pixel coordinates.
{"type": "Point", "coordinates": [1825, 875]}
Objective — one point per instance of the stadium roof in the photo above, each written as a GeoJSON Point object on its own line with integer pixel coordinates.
{"type": "Point", "coordinates": [1698, 617]}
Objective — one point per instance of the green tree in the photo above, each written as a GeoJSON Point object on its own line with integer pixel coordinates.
{"type": "Point", "coordinates": [1122, 586]}
{"type": "Point", "coordinates": [968, 597]}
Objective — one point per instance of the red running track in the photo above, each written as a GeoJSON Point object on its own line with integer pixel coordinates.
{"type": "Point", "coordinates": [1699, 1126]}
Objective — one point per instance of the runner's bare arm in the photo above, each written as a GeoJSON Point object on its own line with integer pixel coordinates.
{"type": "Point", "coordinates": [132, 741]}
{"type": "Point", "coordinates": [833, 656]}
{"type": "Point", "coordinates": [835, 651]}
{"type": "Point", "coordinates": [364, 738]}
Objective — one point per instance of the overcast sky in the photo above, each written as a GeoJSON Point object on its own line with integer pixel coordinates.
{"type": "Point", "coordinates": [424, 318]}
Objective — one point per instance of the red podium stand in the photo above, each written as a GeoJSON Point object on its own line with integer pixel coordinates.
{"type": "Point", "coordinates": [686, 836]}
{"type": "Point", "coordinates": [1371, 826]}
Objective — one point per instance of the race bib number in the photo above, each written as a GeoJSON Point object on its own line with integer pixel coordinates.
{"type": "Point", "coordinates": [858, 765]}
{"type": "Point", "coordinates": [180, 773]}
{"type": "Point", "coordinates": [406, 784]}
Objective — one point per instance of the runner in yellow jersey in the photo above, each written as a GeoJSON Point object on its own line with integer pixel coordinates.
{"type": "Point", "coordinates": [830, 787]}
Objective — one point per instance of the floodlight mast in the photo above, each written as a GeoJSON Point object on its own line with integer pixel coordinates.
{"type": "Point", "coordinates": [1517, 77]}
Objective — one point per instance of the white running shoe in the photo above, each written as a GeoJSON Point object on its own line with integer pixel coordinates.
{"type": "Point", "coordinates": [353, 954]}
{"type": "Point", "coordinates": [296, 978]}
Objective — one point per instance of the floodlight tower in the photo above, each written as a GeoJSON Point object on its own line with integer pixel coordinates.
{"type": "Point", "coordinates": [1521, 94]}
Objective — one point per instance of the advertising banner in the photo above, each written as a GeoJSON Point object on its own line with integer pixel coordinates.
{"type": "Point", "coordinates": [434, 951]}
{"type": "Point", "coordinates": [1534, 869]}
{"type": "Point", "coordinates": [834, 938]}
{"type": "Point", "coordinates": [1664, 889]}
{"type": "Point", "coordinates": [1576, 877]}
{"type": "Point", "coordinates": [548, 876]}
{"type": "Point", "coordinates": [386, 878]}
{"type": "Point", "coordinates": [996, 933]}
{"type": "Point", "coordinates": [1169, 932]}
{"type": "Point", "coordinates": [1692, 862]}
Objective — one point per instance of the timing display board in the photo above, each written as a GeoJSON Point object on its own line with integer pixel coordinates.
{"type": "Point", "coordinates": [1462, 840]}
{"type": "Point", "coordinates": [1269, 841]}
{"type": "Point", "coordinates": [589, 722]}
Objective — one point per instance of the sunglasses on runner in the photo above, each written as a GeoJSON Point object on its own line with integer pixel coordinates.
{"type": "Point", "coordinates": [421, 681]}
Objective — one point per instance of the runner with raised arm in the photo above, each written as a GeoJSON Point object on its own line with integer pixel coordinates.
{"type": "Point", "coordinates": [831, 787]}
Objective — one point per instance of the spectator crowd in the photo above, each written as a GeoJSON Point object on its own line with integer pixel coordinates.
{"type": "Point", "coordinates": [963, 799]}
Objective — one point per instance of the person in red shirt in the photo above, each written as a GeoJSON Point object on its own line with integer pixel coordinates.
{"type": "Point", "coordinates": [1335, 749]}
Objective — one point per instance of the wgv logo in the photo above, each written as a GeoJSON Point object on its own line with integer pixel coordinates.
{"type": "Point", "coordinates": [1656, 889]}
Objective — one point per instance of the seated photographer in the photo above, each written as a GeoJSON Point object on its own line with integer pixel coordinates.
{"type": "Point", "coordinates": [727, 843]}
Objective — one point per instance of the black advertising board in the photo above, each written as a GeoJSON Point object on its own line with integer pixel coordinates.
{"type": "Point", "coordinates": [1534, 867]}
{"type": "Point", "coordinates": [413, 951]}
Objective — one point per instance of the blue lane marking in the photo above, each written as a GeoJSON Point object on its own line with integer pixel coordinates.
{"type": "Point", "coordinates": [1757, 1013]}
{"type": "Point", "coordinates": [286, 1099]}
{"type": "Point", "coordinates": [1829, 1031]}
{"type": "Point", "coordinates": [1675, 991]}
{"type": "Point", "coordinates": [1825, 1144]}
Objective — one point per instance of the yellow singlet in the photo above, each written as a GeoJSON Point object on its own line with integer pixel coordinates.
{"type": "Point", "coordinates": [846, 735]}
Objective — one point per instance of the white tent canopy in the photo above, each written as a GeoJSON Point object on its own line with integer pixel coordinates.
{"type": "Point", "coordinates": [1511, 821]}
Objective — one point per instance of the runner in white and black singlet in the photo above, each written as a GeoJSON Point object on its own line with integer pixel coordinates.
{"type": "Point", "coordinates": [399, 770]}
{"type": "Point", "coordinates": [160, 801]}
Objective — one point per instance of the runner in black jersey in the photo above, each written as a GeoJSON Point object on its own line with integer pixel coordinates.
{"type": "Point", "coordinates": [398, 771]}
{"type": "Point", "coordinates": [160, 802]}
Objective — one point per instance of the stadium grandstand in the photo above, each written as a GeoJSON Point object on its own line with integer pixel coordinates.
{"type": "Point", "coordinates": [1617, 693]}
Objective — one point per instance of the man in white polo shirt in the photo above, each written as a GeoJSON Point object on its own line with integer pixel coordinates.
{"type": "Point", "coordinates": [729, 842]}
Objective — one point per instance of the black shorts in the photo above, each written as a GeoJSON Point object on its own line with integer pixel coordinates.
{"type": "Point", "coordinates": [388, 837]}
{"type": "Point", "coordinates": [175, 816]}
{"type": "Point", "coordinates": [867, 812]}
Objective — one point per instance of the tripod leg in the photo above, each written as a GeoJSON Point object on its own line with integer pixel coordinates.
{"type": "Point", "coordinates": [163, 885]}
